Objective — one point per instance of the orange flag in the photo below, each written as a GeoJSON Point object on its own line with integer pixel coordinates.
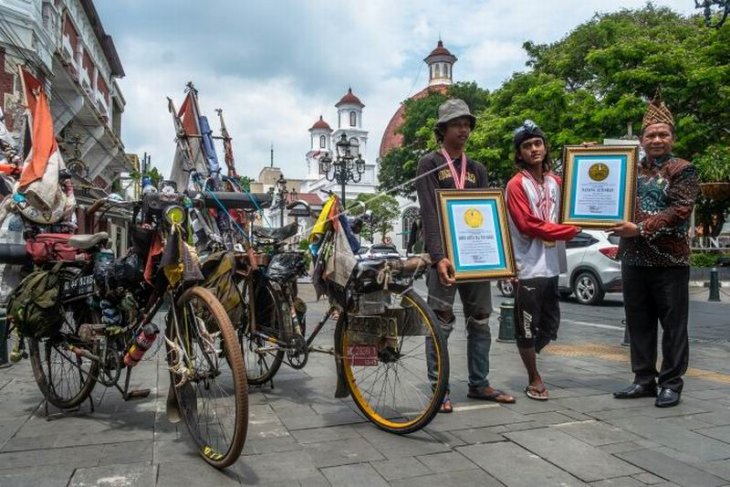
{"type": "Point", "coordinates": [44, 141]}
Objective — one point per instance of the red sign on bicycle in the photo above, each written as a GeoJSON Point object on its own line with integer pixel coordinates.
{"type": "Point", "coordinates": [363, 355]}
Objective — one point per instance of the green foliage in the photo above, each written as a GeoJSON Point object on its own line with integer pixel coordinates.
{"type": "Point", "coordinates": [384, 210]}
{"type": "Point", "coordinates": [304, 246]}
{"type": "Point", "coordinates": [703, 259]}
{"type": "Point", "coordinates": [714, 164]}
{"type": "Point", "coordinates": [246, 182]}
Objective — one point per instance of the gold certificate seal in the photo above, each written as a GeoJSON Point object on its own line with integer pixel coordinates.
{"type": "Point", "coordinates": [598, 171]}
{"type": "Point", "coordinates": [473, 218]}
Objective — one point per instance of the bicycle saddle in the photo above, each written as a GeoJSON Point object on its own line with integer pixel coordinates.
{"type": "Point", "coordinates": [85, 242]}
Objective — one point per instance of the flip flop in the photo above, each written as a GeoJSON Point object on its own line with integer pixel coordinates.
{"type": "Point", "coordinates": [536, 394]}
{"type": "Point", "coordinates": [496, 395]}
{"type": "Point", "coordinates": [446, 406]}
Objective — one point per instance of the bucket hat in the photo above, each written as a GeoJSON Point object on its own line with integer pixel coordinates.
{"type": "Point", "coordinates": [453, 109]}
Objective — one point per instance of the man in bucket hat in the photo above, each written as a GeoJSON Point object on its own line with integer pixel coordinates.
{"type": "Point", "coordinates": [449, 168]}
{"type": "Point", "coordinates": [654, 253]}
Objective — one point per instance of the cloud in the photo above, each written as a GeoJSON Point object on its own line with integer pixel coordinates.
{"type": "Point", "coordinates": [275, 66]}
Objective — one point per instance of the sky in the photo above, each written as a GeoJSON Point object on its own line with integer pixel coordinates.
{"type": "Point", "coordinates": [275, 66]}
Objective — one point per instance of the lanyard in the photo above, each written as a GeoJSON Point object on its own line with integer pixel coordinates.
{"type": "Point", "coordinates": [458, 181]}
{"type": "Point", "coordinates": [543, 195]}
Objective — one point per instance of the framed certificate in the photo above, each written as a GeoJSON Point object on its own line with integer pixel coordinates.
{"type": "Point", "coordinates": [475, 233]}
{"type": "Point", "coordinates": [599, 185]}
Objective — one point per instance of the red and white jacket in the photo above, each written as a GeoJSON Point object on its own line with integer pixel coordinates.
{"type": "Point", "coordinates": [534, 211]}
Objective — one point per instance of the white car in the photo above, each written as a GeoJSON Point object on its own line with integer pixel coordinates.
{"type": "Point", "coordinates": [593, 268]}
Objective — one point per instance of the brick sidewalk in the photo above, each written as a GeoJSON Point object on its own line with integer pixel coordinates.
{"type": "Point", "coordinates": [300, 435]}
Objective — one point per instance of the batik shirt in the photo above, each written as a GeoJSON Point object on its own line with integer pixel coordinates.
{"type": "Point", "coordinates": [666, 190]}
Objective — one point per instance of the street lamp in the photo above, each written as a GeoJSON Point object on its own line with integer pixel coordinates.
{"type": "Point", "coordinates": [348, 166]}
{"type": "Point", "coordinates": [706, 6]}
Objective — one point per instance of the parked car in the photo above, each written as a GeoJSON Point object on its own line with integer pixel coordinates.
{"type": "Point", "coordinates": [593, 268]}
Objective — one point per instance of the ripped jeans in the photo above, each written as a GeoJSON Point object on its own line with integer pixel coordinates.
{"type": "Point", "coordinates": [477, 300]}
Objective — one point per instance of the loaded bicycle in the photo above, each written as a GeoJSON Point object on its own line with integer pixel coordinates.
{"type": "Point", "coordinates": [383, 334]}
{"type": "Point", "coordinates": [105, 311]}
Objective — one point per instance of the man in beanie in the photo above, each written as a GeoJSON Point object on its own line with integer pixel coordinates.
{"type": "Point", "coordinates": [654, 253]}
{"type": "Point", "coordinates": [449, 168]}
{"type": "Point", "coordinates": [533, 204]}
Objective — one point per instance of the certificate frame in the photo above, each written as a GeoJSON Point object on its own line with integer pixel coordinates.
{"type": "Point", "coordinates": [479, 214]}
{"type": "Point", "coordinates": [588, 168]}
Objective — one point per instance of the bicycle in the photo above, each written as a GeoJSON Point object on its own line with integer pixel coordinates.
{"type": "Point", "coordinates": [208, 388]}
{"type": "Point", "coordinates": [382, 335]}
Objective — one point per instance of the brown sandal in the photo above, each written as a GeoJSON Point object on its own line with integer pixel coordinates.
{"type": "Point", "coordinates": [446, 406]}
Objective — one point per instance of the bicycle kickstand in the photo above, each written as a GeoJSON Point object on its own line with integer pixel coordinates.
{"type": "Point", "coordinates": [135, 394]}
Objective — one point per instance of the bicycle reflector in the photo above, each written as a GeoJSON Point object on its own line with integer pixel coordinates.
{"type": "Point", "coordinates": [175, 215]}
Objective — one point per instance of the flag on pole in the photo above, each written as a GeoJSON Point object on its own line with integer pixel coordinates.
{"type": "Point", "coordinates": [39, 179]}
{"type": "Point", "coordinates": [188, 154]}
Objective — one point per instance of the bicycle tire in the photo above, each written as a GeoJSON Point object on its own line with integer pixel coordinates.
{"type": "Point", "coordinates": [260, 367]}
{"type": "Point", "coordinates": [215, 348]}
{"type": "Point", "coordinates": [61, 388]}
{"type": "Point", "coordinates": [402, 346]}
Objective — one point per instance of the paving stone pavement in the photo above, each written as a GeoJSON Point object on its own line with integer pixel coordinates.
{"type": "Point", "coordinates": [299, 434]}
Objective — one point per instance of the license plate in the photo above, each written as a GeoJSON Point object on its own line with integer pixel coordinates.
{"type": "Point", "coordinates": [363, 355]}
{"type": "Point", "coordinates": [78, 287]}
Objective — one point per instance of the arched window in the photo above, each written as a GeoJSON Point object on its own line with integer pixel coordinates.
{"type": "Point", "coordinates": [322, 142]}
{"type": "Point", "coordinates": [438, 71]}
{"type": "Point", "coordinates": [409, 216]}
{"type": "Point", "coordinates": [446, 71]}
{"type": "Point", "coordinates": [353, 118]}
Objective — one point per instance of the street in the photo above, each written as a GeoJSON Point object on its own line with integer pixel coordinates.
{"type": "Point", "coordinates": [300, 435]}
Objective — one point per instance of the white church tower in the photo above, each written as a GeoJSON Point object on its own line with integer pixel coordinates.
{"type": "Point", "coordinates": [323, 140]}
{"type": "Point", "coordinates": [320, 144]}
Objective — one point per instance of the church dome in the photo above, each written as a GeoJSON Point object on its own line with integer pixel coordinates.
{"type": "Point", "coordinates": [440, 63]}
{"type": "Point", "coordinates": [350, 99]}
{"type": "Point", "coordinates": [321, 124]}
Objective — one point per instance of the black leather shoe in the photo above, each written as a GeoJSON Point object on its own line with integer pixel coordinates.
{"type": "Point", "coordinates": [636, 390]}
{"type": "Point", "coordinates": [667, 398]}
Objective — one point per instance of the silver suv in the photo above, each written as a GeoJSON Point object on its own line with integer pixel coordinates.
{"type": "Point", "coordinates": [593, 268]}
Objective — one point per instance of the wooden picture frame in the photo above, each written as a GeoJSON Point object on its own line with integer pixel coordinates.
{"type": "Point", "coordinates": [475, 233]}
{"type": "Point", "coordinates": [599, 185]}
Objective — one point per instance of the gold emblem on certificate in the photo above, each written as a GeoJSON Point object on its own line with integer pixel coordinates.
{"type": "Point", "coordinates": [473, 218]}
{"type": "Point", "coordinates": [598, 171]}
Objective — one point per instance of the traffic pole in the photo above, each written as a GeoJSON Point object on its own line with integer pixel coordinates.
{"type": "Point", "coordinates": [714, 285]}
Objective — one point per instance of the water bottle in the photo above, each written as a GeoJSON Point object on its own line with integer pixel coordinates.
{"type": "Point", "coordinates": [141, 344]}
{"type": "Point", "coordinates": [103, 264]}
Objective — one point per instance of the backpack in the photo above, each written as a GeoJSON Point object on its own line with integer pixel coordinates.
{"type": "Point", "coordinates": [35, 307]}
{"type": "Point", "coordinates": [218, 270]}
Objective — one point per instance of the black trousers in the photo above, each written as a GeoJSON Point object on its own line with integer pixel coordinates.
{"type": "Point", "coordinates": [660, 294]}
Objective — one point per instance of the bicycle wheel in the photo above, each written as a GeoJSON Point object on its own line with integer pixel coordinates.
{"type": "Point", "coordinates": [384, 361]}
{"type": "Point", "coordinates": [65, 378]}
{"type": "Point", "coordinates": [207, 370]}
{"type": "Point", "coordinates": [261, 356]}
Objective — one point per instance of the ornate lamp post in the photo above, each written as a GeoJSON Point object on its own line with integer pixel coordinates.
{"type": "Point", "coordinates": [283, 196]}
{"type": "Point", "coordinates": [348, 166]}
{"type": "Point", "coordinates": [706, 6]}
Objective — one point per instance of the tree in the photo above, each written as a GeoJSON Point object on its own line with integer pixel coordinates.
{"type": "Point", "coordinates": [383, 210]}
{"type": "Point", "coordinates": [592, 84]}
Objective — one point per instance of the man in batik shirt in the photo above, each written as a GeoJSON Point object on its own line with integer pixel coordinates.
{"type": "Point", "coordinates": [654, 253]}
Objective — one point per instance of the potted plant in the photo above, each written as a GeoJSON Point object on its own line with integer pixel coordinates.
{"type": "Point", "coordinates": [713, 169]}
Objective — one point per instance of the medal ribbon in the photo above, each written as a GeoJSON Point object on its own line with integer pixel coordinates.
{"type": "Point", "coordinates": [458, 181]}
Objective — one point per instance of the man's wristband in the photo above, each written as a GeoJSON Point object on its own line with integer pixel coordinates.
{"type": "Point", "coordinates": [642, 231]}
